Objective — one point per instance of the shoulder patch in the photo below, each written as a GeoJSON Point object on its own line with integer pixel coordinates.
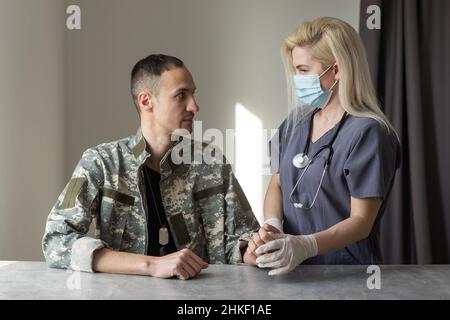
{"type": "Point", "coordinates": [72, 192]}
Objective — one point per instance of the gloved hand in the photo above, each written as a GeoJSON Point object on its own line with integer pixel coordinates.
{"type": "Point", "coordinates": [285, 252]}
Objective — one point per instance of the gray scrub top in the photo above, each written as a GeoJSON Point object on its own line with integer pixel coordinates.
{"type": "Point", "coordinates": [365, 159]}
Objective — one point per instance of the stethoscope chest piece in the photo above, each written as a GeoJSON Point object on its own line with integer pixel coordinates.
{"type": "Point", "coordinates": [300, 160]}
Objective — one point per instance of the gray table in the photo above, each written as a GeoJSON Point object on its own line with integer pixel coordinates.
{"type": "Point", "coordinates": [33, 280]}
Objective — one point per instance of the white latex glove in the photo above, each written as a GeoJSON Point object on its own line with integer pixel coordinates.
{"type": "Point", "coordinates": [285, 252]}
{"type": "Point", "coordinates": [276, 223]}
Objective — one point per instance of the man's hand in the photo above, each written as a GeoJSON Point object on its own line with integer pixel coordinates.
{"type": "Point", "coordinates": [183, 264]}
{"type": "Point", "coordinates": [249, 255]}
{"type": "Point", "coordinates": [264, 235]}
{"type": "Point", "coordinates": [285, 252]}
{"type": "Point", "coordinates": [261, 237]}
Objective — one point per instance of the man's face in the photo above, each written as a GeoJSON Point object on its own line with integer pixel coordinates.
{"type": "Point", "coordinates": [174, 106]}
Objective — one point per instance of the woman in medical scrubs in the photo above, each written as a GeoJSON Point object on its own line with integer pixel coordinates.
{"type": "Point", "coordinates": [334, 156]}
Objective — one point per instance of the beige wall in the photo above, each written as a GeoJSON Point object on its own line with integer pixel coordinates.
{"type": "Point", "coordinates": [31, 128]}
{"type": "Point", "coordinates": [230, 46]}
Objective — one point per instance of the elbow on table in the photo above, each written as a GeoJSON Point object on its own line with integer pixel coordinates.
{"type": "Point", "coordinates": [54, 256]}
{"type": "Point", "coordinates": [54, 260]}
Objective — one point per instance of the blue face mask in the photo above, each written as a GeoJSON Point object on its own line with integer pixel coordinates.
{"type": "Point", "coordinates": [309, 91]}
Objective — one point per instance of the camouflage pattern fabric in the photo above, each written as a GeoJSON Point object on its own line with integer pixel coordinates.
{"type": "Point", "coordinates": [205, 207]}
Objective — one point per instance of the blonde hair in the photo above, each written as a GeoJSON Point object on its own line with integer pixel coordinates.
{"type": "Point", "coordinates": [333, 40]}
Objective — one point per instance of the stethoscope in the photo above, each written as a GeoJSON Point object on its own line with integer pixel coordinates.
{"type": "Point", "coordinates": [302, 160]}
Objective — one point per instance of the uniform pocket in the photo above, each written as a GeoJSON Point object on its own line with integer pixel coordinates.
{"type": "Point", "coordinates": [208, 192]}
{"type": "Point", "coordinates": [208, 208]}
{"type": "Point", "coordinates": [116, 208]}
{"type": "Point", "coordinates": [209, 201]}
{"type": "Point", "coordinates": [117, 196]}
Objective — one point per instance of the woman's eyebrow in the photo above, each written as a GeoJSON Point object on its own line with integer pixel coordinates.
{"type": "Point", "coordinates": [301, 66]}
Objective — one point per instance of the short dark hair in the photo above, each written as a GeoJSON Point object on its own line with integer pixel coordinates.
{"type": "Point", "coordinates": [146, 73]}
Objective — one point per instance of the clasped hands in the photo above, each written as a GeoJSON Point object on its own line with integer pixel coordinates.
{"type": "Point", "coordinates": [271, 248]}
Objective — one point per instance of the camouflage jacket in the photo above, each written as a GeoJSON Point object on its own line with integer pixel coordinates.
{"type": "Point", "coordinates": [205, 207]}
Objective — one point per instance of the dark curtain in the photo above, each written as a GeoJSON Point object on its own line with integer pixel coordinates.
{"type": "Point", "coordinates": [409, 57]}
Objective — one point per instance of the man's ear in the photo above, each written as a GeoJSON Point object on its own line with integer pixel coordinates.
{"type": "Point", "coordinates": [144, 99]}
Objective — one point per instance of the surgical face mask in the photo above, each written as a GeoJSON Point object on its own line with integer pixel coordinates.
{"type": "Point", "coordinates": [309, 91]}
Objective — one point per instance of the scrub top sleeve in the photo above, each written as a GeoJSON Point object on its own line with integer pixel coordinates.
{"type": "Point", "coordinates": [371, 164]}
{"type": "Point", "coordinates": [276, 147]}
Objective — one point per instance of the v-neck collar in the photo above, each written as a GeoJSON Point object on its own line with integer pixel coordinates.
{"type": "Point", "coordinates": [327, 133]}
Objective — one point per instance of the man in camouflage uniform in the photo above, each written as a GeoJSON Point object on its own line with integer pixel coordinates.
{"type": "Point", "coordinates": [207, 214]}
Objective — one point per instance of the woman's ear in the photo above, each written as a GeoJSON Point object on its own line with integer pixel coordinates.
{"type": "Point", "coordinates": [336, 71]}
{"type": "Point", "coordinates": [145, 101]}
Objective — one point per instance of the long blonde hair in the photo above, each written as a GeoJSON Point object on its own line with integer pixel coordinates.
{"type": "Point", "coordinates": [333, 40]}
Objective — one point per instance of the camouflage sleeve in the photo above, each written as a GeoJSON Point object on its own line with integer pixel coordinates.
{"type": "Point", "coordinates": [240, 222]}
{"type": "Point", "coordinates": [65, 244]}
